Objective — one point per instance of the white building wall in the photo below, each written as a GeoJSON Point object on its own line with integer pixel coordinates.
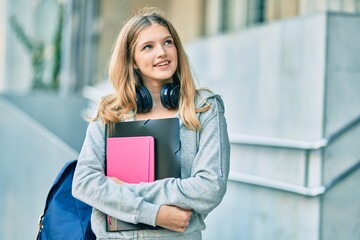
{"type": "Point", "coordinates": [293, 79]}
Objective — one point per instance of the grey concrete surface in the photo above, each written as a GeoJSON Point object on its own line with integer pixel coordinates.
{"type": "Point", "coordinates": [31, 157]}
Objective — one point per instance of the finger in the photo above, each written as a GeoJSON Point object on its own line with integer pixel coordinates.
{"type": "Point", "coordinates": [180, 229]}
{"type": "Point", "coordinates": [185, 224]}
{"type": "Point", "coordinates": [118, 181]}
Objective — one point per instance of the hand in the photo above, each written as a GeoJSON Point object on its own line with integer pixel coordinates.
{"type": "Point", "coordinates": [173, 218]}
{"type": "Point", "coordinates": [118, 181]}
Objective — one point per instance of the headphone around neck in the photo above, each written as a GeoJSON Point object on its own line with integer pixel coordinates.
{"type": "Point", "coordinates": [169, 96]}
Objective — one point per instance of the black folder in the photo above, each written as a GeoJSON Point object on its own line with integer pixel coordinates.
{"type": "Point", "coordinates": [167, 153]}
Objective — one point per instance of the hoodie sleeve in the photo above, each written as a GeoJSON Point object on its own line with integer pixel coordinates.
{"type": "Point", "coordinates": [206, 186]}
{"type": "Point", "coordinates": [91, 186]}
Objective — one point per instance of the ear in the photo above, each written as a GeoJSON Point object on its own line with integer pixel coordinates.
{"type": "Point", "coordinates": [135, 65]}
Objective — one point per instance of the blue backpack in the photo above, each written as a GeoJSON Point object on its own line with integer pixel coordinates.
{"type": "Point", "coordinates": [64, 216]}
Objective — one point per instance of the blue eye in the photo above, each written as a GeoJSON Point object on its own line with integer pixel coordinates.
{"type": "Point", "coordinates": [147, 47]}
{"type": "Point", "coordinates": [168, 42]}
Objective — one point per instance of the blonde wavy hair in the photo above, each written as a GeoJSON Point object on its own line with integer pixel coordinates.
{"type": "Point", "coordinates": [121, 72]}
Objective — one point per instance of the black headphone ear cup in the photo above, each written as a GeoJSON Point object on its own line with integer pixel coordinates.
{"type": "Point", "coordinates": [164, 95]}
{"type": "Point", "coordinates": [174, 96]}
{"type": "Point", "coordinates": [143, 99]}
{"type": "Point", "coordinates": [169, 95]}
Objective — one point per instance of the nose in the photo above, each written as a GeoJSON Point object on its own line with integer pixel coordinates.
{"type": "Point", "coordinates": [161, 51]}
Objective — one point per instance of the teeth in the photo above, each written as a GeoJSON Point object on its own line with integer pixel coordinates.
{"type": "Point", "coordinates": [163, 64]}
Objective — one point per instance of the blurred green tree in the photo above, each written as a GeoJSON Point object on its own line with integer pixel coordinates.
{"type": "Point", "coordinates": [36, 49]}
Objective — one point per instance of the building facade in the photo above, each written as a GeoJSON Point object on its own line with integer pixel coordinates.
{"type": "Point", "coordinates": [288, 71]}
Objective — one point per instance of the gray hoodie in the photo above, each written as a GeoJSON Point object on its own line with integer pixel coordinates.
{"type": "Point", "coordinates": [205, 156]}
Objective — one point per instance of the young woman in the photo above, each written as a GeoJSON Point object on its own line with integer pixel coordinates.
{"type": "Point", "coordinates": [149, 57]}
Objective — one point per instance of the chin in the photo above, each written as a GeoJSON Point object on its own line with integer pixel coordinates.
{"type": "Point", "coordinates": [167, 78]}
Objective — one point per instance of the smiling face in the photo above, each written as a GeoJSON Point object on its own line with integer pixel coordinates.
{"type": "Point", "coordinates": [155, 55]}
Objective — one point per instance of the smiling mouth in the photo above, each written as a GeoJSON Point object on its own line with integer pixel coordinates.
{"type": "Point", "coordinates": [162, 64]}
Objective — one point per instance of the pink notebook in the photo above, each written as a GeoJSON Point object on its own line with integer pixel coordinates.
{"type": "Point", "coordinates": [131, 159]}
